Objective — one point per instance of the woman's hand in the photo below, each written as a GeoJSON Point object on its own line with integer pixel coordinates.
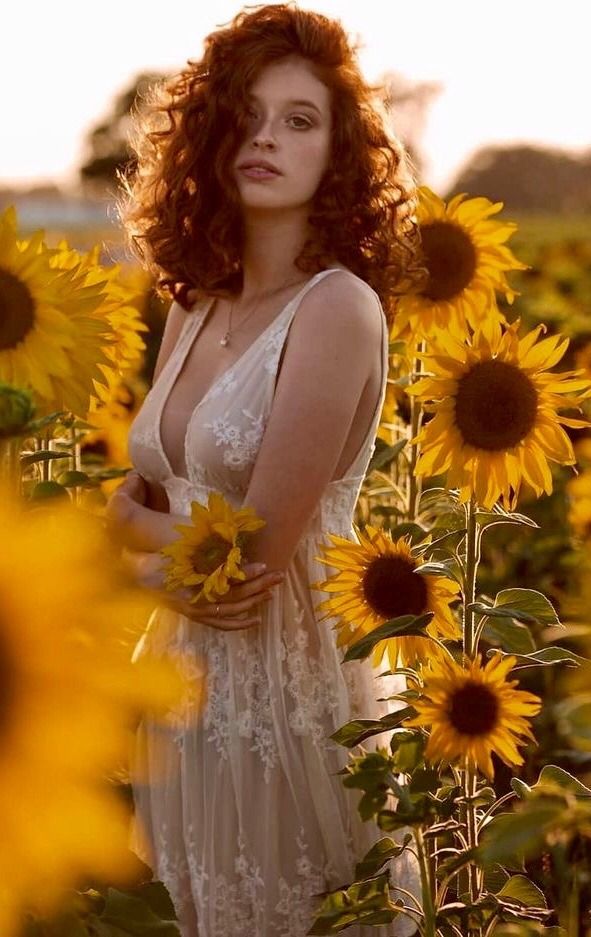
{"type": "Point", "coordinates": [237, 606]}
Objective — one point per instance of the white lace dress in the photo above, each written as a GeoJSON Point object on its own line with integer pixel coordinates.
{"type": "Point", "coordinates": [244, 817]}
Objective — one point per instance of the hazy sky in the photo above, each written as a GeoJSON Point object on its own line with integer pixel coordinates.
{"type": "Point", "coordinates": [512, 70]}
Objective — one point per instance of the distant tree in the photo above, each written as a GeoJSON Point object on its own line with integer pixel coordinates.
{"type": "Point", "coordinates": [406, 103]}
{"type": "Point", "coordinates": [529, 178]}
{"type": "Point", "coordinates": [106, 143]}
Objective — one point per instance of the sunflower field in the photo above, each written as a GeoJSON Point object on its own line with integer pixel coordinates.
{"type": "Point", "coordinates": [469, 575]}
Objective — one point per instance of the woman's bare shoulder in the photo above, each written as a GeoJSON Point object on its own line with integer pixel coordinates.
{"type": "Point", "coordinates": [173, 326]}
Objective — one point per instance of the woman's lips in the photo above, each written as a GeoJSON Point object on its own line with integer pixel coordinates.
{"type": "Point", "coordinates": [254, 172]}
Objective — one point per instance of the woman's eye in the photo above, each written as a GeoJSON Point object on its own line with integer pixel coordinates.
{"type": "Point", "coordinates": [304, 121]}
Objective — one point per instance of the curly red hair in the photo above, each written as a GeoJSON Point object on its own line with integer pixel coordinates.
{"type": "Point", "coordinates": [182, 215]}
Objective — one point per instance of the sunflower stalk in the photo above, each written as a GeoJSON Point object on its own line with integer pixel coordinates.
{"type": "Point", "coordinates": [469, 779]}
{"type": "Point", "coordinates": [10, 476]}
{"type": "Point", "coordinates": [416, 412]}
{"type": "Point", "coordinates": [429, 928]}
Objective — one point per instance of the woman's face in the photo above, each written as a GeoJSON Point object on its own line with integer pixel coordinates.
{"type": "Point", "coordinates": [289, 127]}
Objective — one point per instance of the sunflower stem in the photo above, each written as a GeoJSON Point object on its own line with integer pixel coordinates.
{"type": "Point", "coordinates": [416, 412]}
{"type": "Point", "coordinates": [472, 551]}
{"type": "Point", "coordinates": [426, 885]}
{"type": "Point", "coordinates": [10, 475]}
{"type": "Point", "coordinates": [76, 459]}
{"type": "Point", "coordinates": [469, 647]}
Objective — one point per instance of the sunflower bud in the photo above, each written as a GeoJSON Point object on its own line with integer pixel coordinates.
{"type": "Point", "coordinates": [16, 409]}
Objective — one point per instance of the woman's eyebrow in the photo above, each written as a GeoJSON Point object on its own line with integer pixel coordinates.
{"type": "Point", "coordinates": [300, 101]}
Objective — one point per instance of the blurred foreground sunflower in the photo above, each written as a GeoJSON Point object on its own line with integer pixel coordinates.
{"type": "Point", "coordinates": [467, 259]}
{"type": "Point", "coordinates": [70, 698]}
{"type": "Point", "coordinates": [496, 405]}
{"type": "Point", "coordinates": [51, 338]}
{"type": "Point", "coordinates": [209, 551]}
{"type": "Point", "coordinates": [377, 581]}
{"type": "Point", "coordinates": [474, 711]}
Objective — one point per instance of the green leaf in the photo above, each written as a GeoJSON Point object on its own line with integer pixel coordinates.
{"type": "Point", "coordinates": [551, 776]}
{"type": "Point", "coordinates": [545, 657]}
{"type": "Point", "coordinates": [455, 862]}
{"type": "Point", "coordinates": [133, 916]}
{"type": "Point", "coordinates": [383, 456]}
{"type": "Point", "coordinates": [42, 455]}
{"type": "Point", "coordinates": [510, 635]}
{"type": "Point", "coordinates": [524, 891]}
{"type": "Point", "coordinates": [488, 518]}
{"type": "Point", "coordinates": [393, 628]}
{"type": "Point", "coordinates": [449, 568]}
{"type": "Point", "coordinates": [381, 852]}
{"type": "Point", "coordinates": [532, 606]}
{"type": "Point", "coordinates": [365, 903]}
{"type": "Point", "coordinates": [74, 479]}
{"type": "Point", "coordinates": [49, 490]}
{"type": "Point", "coordinates": [357, 730]}
{"type": "Point", "coordinates": [510, 838]}
{"type": "Point", "coordinates": [574, 716]}
{"type": "Point", "coordinates": [446, 543]}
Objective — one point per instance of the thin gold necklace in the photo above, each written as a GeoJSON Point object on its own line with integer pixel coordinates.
{"type": "Point", "coordinates": [225, 339]}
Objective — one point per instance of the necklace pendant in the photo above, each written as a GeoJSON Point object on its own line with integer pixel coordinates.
{"type": "Point", "coordinates": [225, 339]}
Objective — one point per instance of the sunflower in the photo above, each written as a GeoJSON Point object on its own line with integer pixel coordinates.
{"type": "Point", "coordinates": [465, 254]}
{"type": "Point", "coordinates": [377, 581]}
{"type": "Point", "coordinates": [125, 354]}
{"type": "Point", "coordinates": [474, 711]}
{"type": "Point", "coordinates": [496, 423]}
{"type": "Point", "coordinates": [209, 550]}
{"type": "Point", "coordinates": [70, 695]}
{"type": "Point", "coordinates": [51, 338]}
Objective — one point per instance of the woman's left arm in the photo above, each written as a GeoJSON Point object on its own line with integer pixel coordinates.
{"type": "Point", "coordinates": [334, 342]}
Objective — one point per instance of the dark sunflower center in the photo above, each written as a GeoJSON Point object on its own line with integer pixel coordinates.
{"type": "Point", "coordinates": [449, 257]}
{"type": "Point", "coordinates": [17, 310]}
{"type": "Point", "coordinates": [496, 405]}
{"type": "Point", "coordinates": [210, 554]}
{"type": "Point", "coordinates": [474, 709]}
{"type": "Point", "coordinates": [392, 588]}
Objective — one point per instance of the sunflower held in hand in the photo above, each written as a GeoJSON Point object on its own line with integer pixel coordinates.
{"type": "Point", "coordinates": [209, 550]}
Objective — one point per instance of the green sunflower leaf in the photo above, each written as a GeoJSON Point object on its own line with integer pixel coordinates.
{"type": "Point", "coordinates": [381, 852]}
{"type": "Point", "coordinates": [42, 455]}
{"type": "Point", "coordinates": [354, 732]}
{"type": "Point", "coordinates": [575, 719]}
{"type": "Point", "coordinates": [523, 890]}
{"type": "Point", "coordinates": [510, 838]}
{"type": "Point", "coordinates": [393, 628]}
{"type": "Point", "coordinates": [385, 455]}
{"type": "Point", "coordinates": [551, 777]}
{"type": "Point", "coordinates": [366, 902]}
{"type": "Point", "coordinates": [525, 605]}
{"type": "Point", "coordinates": [545, 657]}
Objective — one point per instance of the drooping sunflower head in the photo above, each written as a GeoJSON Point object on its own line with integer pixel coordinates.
{"type": "Point", "coordinates": [377, 581]}
{"type": "Point", "coordinates": [496, 421]}
{"type": "Point", "coordinates": [467, 259]}
{"type": "Point", "coordinates": [473, 711]}
{"type": "Point", "coordinates": [210, 549]}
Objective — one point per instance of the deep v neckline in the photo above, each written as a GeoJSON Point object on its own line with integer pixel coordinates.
{"type": "Point", "coordinates": [189, 343]}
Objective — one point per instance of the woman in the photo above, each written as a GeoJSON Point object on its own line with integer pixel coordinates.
{"type": "Point", "coordinates": [273, 207]}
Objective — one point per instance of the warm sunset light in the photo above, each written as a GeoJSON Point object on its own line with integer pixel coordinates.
{"type": "Point", "coordinates": [512, 76]}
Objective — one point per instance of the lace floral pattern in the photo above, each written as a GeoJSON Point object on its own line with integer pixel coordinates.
{"type": "Point", "coordinates": [242, 445]}
{"type": "Point", "coordinates": [236, 906]}
{"type": "Point", "coordinates": [255, 718]}
{"type": "Point", "coordinates": [311, 686]}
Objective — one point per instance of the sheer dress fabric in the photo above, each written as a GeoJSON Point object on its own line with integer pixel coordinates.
{"type": "Point", "coordinates": [239, 808]}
